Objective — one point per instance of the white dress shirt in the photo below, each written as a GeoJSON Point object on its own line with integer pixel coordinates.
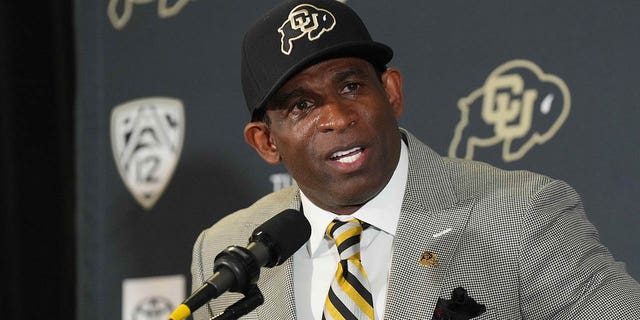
{"type": "Point", "coordinates": [314, 264]}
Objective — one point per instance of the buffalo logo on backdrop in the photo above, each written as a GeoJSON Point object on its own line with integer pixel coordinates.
{"type": "Point", "coordinates": [120, 20]}
{"type": "Point", "coordinates": [146, 139]}
{"type": "Point", "coordinates": [304, 20]}
{"type": "Point", "coordinates": [519, 106]}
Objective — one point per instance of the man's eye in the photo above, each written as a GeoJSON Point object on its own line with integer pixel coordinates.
{"type": "Point", "coordinates": [350, 88]}
{"type": "Point", "coordinates": [300, 108]}
{"type": "Point", "coordinates": [302, 105]}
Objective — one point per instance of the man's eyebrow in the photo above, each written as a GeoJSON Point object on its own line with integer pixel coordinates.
{"type": "Point", "coordinates": [343, 75]}
{"type": "Point", "coordinates": [280, 98]}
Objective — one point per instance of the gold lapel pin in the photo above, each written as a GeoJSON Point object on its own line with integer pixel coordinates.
{"type": "Point", "coordinates": [429, 259]}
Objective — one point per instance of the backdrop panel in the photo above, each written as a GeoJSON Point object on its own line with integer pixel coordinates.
{"type": "Point", "coordinates": [569, 67]}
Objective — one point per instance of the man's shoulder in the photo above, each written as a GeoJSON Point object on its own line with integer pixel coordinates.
{"type": "Point", "coordinates": [246, 219]}
{"type": "Point", "coordinates": [475, 179]}
{"type": "Point", "coordinates": [470, 178]}
{"type": "Point", "coordinates": [477, 174]}
{"type": "Point", "coordinates": [236, 228]}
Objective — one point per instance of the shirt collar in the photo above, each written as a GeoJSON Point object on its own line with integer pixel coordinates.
{"type": "Point", "coordinates": [381, 212]}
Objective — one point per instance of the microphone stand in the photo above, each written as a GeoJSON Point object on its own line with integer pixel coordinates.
{"type": "Point", "coordinates": [253, 298]}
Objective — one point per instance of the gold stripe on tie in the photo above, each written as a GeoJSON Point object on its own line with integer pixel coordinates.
{"type": "Point", "coordinates": [349, 296]}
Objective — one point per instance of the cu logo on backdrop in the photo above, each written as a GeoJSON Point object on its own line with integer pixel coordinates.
{"type": "Point", "coordinates": [519, 106]}
{"type": "Point", "coordinates": [121, 11]}
{"type": "Point", "coordinates": [146, 139]}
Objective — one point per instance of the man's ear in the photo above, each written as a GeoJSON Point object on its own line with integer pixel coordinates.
{"type": "Point", "coordinates": [258, 135]}
{"type": "Point", "coordinates": [392, 82]}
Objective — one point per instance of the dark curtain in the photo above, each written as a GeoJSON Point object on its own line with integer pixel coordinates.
{"type": "Point", "coordinates": [37, 160]}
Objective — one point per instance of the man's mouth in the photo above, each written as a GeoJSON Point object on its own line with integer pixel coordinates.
{"type": "Point", "coordinates": [347, 156]}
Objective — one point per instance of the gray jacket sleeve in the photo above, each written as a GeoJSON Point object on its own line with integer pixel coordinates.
{"type": "Point", "coordinates": [565, 271]}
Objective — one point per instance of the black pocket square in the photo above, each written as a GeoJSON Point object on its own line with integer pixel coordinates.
{"type": "Point", "coordinates": [459, 307]}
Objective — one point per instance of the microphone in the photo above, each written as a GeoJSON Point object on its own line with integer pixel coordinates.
{"type": "Point", "coordinates": [236, 268]}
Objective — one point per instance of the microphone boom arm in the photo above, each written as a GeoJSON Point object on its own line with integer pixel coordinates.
{"type": "Point", "coordinates": [253, 298]}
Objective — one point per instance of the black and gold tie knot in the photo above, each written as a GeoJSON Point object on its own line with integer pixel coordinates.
{"type": "Point", "coordinates": [350, 293]}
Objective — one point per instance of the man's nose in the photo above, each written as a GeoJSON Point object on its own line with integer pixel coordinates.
{"type": "Point", "coordinates": [336, 116]}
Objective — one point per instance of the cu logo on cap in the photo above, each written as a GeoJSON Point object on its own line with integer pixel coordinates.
{"type": "Point", "coordinates": [304, 19]}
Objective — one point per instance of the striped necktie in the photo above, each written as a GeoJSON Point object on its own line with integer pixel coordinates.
{"type": "Point", "coordinates": [350, 294]}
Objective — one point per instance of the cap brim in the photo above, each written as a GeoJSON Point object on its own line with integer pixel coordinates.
{"type": "Point", "coordinates": [376, 53]}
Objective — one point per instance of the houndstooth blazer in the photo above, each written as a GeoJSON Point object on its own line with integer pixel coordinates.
{"type": "Point", "coordinates": [519, 243]}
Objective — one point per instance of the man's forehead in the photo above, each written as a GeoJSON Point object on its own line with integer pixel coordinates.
{"type": "Point", "coordinates": [332, 69]}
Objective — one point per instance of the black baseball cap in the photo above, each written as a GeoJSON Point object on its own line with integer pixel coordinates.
{"type": "Point", "coordinates": [297, 34]}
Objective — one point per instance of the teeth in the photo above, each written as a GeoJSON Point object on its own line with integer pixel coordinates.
{"type": "Point", "coordinates": [341, 156]}
{"type": "Point", "coordinates": [349, 159]}
{"type": "Point", "coordinates": [342, 153]}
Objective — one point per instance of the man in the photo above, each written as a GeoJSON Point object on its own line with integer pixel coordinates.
{"type": "Point", "coordinates": [439, 238]}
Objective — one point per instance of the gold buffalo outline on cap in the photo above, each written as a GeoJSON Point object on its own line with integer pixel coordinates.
{"type": "Point", "coordinates": [304, 19]}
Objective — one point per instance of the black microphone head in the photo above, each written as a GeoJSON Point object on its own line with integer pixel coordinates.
{"type": "Point", "coordinates": [283, 234]}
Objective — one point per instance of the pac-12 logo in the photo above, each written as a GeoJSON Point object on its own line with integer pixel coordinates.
{"type": "Point", "coordinates": [304, 19]}
{"type": "Point", "coordinates": [153, 308]}
{"type": "Point", "coordinates": [146, 139]}
{"type": "Point", "coordinates": [519, 106]}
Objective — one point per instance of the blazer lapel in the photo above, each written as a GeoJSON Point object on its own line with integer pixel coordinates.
{"type": "Point", "coordinates": [277, 284]}
{"type": "Point", "coordinates": [431, 223]}
{"type": "Point", "coordinates": [279, 302]}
